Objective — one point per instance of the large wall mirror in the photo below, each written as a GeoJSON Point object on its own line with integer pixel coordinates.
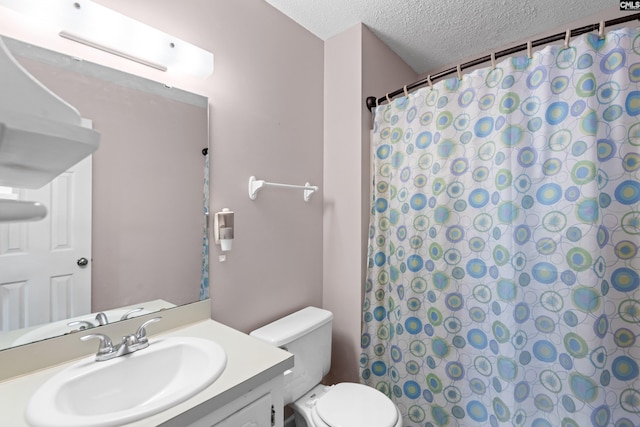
{"type": "Point", "coordinates": [143, 215]}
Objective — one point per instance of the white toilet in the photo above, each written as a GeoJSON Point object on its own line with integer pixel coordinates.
{"type": "Point", "coordinates": [307, 334]}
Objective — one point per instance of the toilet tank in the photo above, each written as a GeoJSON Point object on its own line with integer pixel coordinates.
{"type": "Point", "coordinates": [307, 335]}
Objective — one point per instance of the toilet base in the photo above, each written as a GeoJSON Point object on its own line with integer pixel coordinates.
{"type": "Point", "coordinates": [303, 407]}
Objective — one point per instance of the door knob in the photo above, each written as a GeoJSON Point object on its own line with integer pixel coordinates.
{"type": "Point", "coordinates": [82, 262]}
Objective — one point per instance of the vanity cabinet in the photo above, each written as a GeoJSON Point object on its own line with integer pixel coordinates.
{"type": "Point", "coordinates": [256, 414]}
{"type": "Point", "coordinates": [263, 406]}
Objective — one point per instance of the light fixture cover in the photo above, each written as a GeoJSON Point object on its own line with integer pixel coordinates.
{"type": "Point", "coordinates": [20, 211]}
{"type": "Point", "coordinates": [41, 135]}
{"type": "Point", "coordinates": [100, 27]}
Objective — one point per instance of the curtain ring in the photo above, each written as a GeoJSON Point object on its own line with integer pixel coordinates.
{"type": "Point", "coordinates": [388, 100]}
{"type": "Point", "coordinates": [406, 94]}
{"type": "Point", "coordinates": [567, 38]}
{"type": "Point", "coordinates": [601, 34]}
{"type": "Point", "coordinates": [377, 103]}
{"type": "Point", "coordinates": [493, 60]}
{"type": "Point", "coordinates": [429, 81]}
{"type": "Point", "coordinates": [529, 49]}
{"type": "Point", "coordinates": [459, 72]}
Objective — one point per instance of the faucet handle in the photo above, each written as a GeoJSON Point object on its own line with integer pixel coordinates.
{"type": "Point", "coordinates": [141, 333]}
{"type": "Point", "coordinates": [84, 325]}
{"type": "Point", "coordinates": [130, 312]}
{"type": "Point", "coordinates": [106, 346]}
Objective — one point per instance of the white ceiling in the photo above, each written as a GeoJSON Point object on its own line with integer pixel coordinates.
{"type": "Point", "coordinates": [431, 34]}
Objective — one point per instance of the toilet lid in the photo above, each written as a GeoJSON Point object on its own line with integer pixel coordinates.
{"type": "Point", "coordinates": [356, 405]}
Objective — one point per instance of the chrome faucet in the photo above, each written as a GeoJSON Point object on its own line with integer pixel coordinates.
{"type": "Point", "coordinates": [129, 344]}
{"type": "Point", "coordinates": [102, 319]}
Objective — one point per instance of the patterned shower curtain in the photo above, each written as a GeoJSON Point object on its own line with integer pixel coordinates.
{"type": "Point", "coordinates": [204, 278]}
{"type": "Point", "coordinates": [502, 285]}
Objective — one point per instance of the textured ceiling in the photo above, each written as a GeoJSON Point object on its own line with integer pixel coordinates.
{"type": "Point", "coordinates": [431, 34]}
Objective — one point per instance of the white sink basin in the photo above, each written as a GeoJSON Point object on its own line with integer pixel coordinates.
{"type": "Point", "coordinates": [127, 388]}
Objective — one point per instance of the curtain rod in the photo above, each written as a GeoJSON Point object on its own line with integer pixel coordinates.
{"type": "Point", "coordinates": [372, 101]}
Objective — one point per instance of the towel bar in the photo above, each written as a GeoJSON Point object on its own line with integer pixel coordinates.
{"type": "Point", "coordinates": [256, 184]}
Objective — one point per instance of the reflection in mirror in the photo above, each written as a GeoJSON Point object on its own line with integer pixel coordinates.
{"type": "Point", "coordinates": [125, 229]}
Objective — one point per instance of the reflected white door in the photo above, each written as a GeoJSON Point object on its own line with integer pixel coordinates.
{"type": "Point", "coordinates": [41, 276]}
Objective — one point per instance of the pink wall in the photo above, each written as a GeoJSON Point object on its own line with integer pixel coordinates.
{"type": "Point", "coordinates": [266, 97]}
{"type": "Point", "coordinates": [343, 173]}
{"type": "Point", "coordinates": [266, 120]}
{"type": "Point", "coordinates": [356, 64]}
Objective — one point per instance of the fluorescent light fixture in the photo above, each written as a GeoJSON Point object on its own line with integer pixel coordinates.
{"type": "Point", "coordinates": [97, 26]}
{"type": "Point", "coordinates": [112, 50]}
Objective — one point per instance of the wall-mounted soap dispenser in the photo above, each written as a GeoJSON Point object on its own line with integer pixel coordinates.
{"type": "Point", "coordinates": [223, 229]}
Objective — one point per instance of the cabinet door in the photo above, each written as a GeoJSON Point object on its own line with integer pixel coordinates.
{"type": "Point", "coordinates": [255, 414]}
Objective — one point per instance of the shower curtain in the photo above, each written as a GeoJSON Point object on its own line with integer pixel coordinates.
{"type": "Point", "coordinates": [204, 278]}
{"type": "Point", "coordinates": [502, 284]}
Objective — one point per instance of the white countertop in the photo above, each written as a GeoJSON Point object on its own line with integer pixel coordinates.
{"type": "Point", "coordinates": [250, 362]}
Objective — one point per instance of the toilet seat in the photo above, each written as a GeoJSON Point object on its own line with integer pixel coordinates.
{"type": "Point", "coordinates": [354, 405]}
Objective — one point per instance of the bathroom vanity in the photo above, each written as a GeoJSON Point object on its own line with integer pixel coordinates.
{"type": "Point", "coordinates": [249, 392]}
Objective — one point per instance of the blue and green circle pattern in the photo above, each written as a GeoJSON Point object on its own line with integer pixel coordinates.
{"type": "Point", "coordinates": [503, 283]}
